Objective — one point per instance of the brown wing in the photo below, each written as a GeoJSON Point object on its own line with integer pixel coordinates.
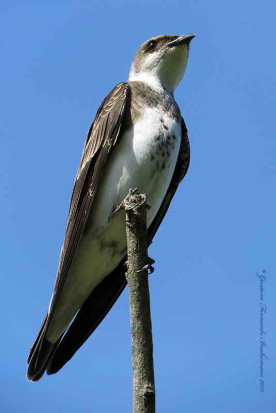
{"type": "Point", "coordinates": [107, 292]}
{"type": "Point", "coordinates": [102, 136]}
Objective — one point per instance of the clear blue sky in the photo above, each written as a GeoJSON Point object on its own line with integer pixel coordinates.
{"type": "Point", "coordinates": [58, 61]}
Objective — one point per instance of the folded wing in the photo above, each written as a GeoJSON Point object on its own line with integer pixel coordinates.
{"type": "Point", "coordinates": [107, 292]}
{"type": "Point", "coordinates": [101, 138]}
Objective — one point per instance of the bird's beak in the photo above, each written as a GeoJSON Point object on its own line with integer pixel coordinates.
{"type": "Point", "coordinates": [182, 40]}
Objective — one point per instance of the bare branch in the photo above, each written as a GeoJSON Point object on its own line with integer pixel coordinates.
{"type": "Point", "coordinates": [137, 277]}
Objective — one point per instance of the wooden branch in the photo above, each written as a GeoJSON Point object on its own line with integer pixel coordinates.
{"type": "Point", "coordinates": [137, 278]}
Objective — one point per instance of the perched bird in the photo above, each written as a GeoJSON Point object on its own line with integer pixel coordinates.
{"type": "Point", "coordinates": [138, 139]}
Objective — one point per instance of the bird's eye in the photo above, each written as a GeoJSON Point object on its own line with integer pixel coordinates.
{"type": "Point", "coordinates": [151, 46]}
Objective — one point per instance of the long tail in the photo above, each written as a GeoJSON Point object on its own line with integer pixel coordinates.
{"type": "Point", "coordinates": [88, 318]}
{"type": "Point", "coordinates": [40, 354]}
{"type": "Point", "coordinates": [50, 357]}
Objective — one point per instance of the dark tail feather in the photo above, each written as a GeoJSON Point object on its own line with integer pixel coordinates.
{"type": "Point", "coordinates": [40, 354]}
{"type": "Point", "coordinates": [52, 357]}
{"type": "Point", "coordinates": [37, 339]}
{"type": "Point", "coordinates": [88, 318]}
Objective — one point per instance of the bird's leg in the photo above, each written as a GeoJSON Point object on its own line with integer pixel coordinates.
{"type": "Point", "coordinates": [148, 267]}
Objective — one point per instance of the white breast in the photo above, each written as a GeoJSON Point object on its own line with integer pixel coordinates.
{"type": "Point", "coordinates": [144, 158]}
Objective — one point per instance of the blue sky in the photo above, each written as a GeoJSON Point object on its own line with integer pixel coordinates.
{"type": "Point", "coordinates": [58, 61]}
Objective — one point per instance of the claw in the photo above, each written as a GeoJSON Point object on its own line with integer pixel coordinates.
{"type": "Point", "coordinates": [148, 267]}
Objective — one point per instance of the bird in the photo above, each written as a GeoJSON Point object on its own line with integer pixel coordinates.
{"type": "Point", "coordinates": [138, 139]}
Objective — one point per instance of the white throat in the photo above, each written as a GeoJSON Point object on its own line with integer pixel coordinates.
{"type": "Point", "coordinates": [161, 72]}
{"type": "Point", "coordinates": [146, 77]}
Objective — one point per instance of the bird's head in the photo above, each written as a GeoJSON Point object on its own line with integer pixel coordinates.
{"type": "Point", "coordinates": [161, 61]}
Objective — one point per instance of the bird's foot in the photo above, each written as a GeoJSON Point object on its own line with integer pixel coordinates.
{"type": "Point", "coordinates": [148, 267]}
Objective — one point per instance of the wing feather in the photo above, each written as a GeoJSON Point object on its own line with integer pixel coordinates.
{"type": "Point", "coordinates": [102, 136]}
{"type": "Point", "coordinates": [104, 296]}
